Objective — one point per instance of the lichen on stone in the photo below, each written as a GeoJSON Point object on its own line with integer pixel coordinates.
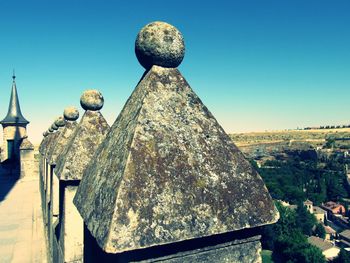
{"type": "Point", "coordinates": [168, 172]}
{"type": "Point", "coordinates": [81, 146]}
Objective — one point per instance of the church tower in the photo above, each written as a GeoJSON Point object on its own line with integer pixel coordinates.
{"type": "Point", "coordinates": [14, 125]}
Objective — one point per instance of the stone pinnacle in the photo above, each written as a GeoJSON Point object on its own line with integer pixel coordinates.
{"type": "Point", "coordinates": [71, 113]}
{"type": "Point", "coordinates": [161, 44]}
{"type": "Point", "coordinates": [59, 122]}
{"type": "Point", "coordinates": [91, 100]}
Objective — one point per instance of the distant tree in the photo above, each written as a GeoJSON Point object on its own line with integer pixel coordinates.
{"type": "Point", "coordinates": [295, 248]}
{"type": "Point", "coordinates": [304, 220]}
{"type": "Point", "coordinates": [320, 231]}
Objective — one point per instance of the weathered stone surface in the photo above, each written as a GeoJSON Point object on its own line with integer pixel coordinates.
{"type": "Point", "coordinates": [54, 127]}
{"type": "Point", "coordinates": [59, 122]}
{"type": "Point", "coordinates": [168, 172]}
{"type": "Point", "coordinates": [91, 100]}
{"type": "Point", "coordinates": [161, 44]}
{"type": "Point", "coordinates": [26, 144]}
{"type": "Point", "coordinates": [50, 129]}
{"type": "Point", "coordinates": [82, 144]}
{"type": "Point", "coordinates": [71, 113]}
{"type": "Point", "coordinates": [240, 251]}
{"type": "Point", "coordinates": [43, 144]}
{"type": "Point", "coordinates": [51, 142]}
{"type": "Point", "coordinates": [62, 141]}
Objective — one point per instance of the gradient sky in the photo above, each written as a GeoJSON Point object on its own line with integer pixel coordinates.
{"type": "Point", "coordinates": [257, 65]}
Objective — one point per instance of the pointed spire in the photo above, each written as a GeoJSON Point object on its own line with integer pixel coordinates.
{"type": "Point", "coordinates": [14, 114]}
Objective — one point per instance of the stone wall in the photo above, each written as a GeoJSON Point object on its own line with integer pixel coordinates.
{"type": "Point", "coordinates": [15, 133]}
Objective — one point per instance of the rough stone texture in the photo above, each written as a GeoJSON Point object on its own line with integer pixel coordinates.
{"type": "Point", "coordinates": [59, 122]}
{"type": "Point", "coordinates": [51, 143]}
{"type": "Point", "coordinates": [91, 100]}
{"type": "Point", "coordinates": [54, 127]}
{"type": "Point", "coordinates": [62, 140]}
{"type": "Point", "coordinates": [161, 44]}
{"type": "Point", "coordinates": [44, 143]}
{"type": "Point", "coordinates": [168, 172]}
{"type": "Point", "coordinates": [28, 166]}
{"type": "Point", "coordinates": [241, 251]}
{"type": "Point", "coordinates": [71, 113]}
{"type": "Point", "coordinates": [26, 144]}
{"type": "Point", "coordinates": [82, 144]}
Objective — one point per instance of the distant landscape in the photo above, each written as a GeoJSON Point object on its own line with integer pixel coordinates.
{"type": "Point", "coordinates": [301, 167]}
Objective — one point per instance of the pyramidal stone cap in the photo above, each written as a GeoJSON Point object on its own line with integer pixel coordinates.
{"type": "Point", "coordinates": [159, 43]}
{"type": "Point", "coordinates": [168, 172]}
{"type": "Point", "coordinates": [91, 100]}
{"type": "Point", "coordinates": [71, 113]}
{"type": "Point", "coordinates": [43, 142]}
{"type": "Point", "coordinates": [51, 143]}
{"type": "Point", "coordinates": [67, 131]}
{"type": "Point", "coordinates": [85, 138]}
{"type": "Point", "coordinates": [26, 144]}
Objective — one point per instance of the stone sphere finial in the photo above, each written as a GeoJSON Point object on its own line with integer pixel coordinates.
{"type": "Point", "coordinates": [59, 122]}
{"type": "Point", "coordinates": [71, 113]}
{"type": "Point", "coordinates": [91, 100]}
{"type": "Point", "coordinates": [159, 43]}
{"type": "Point", "coordinates": [45, 133]}
{"type": "Point", "coordinates": [50, 130]}
{"type": "Point", "coordinates": [54, 127]}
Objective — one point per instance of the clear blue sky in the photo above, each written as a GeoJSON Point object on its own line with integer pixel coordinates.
{"type": "Point", "coordinates": [257, 65]}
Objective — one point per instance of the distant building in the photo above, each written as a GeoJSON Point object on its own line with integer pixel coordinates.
{"type": "Point", "coordinates": [344, 239]}
{"type": "Point", "coordinates": [309, 206]}
{"type": "Point", "coordinates": [15, 127]}
{"type": "Point", "coordinates": [319, 213]}
{"type": "Point", "coordinates": [334, 208]}
{"type": "Point", "coordinates": [329, 250]}
{"type": "Point", "coordinates": [330, 233]}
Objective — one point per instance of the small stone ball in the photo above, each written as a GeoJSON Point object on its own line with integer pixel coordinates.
{"type": "Point", "coordinates": [45, 133]}
{"type": "Point", "coordinates": [91, 100]}
{"type": "Point", "coordinates": [54, 127]}
{"type": "Point", "coordinates": [50, 129]}
{"type": "Point", "coordinates": [159, 43]}
{"type": "Point", "coordinates": [71, 113]}
{"type": "Point", "coordinates": [59, 122]}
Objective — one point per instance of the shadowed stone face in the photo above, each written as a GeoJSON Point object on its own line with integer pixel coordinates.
{"type": "Point", "coordinates": [54, 127]}
{"type": "Point", "coordinates": [81, 145]}
{"type": "Point", "coordinates": [62, 140]}
{"type": "Point", "coordinates": [161, 44]}
{"type": "Point", "coordinates": [59, 122]}
{"type": "Point", "coordinates": [168, 172]}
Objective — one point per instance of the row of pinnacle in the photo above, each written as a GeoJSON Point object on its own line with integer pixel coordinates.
{"type": "Point", "coordinates": [157, 43]}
